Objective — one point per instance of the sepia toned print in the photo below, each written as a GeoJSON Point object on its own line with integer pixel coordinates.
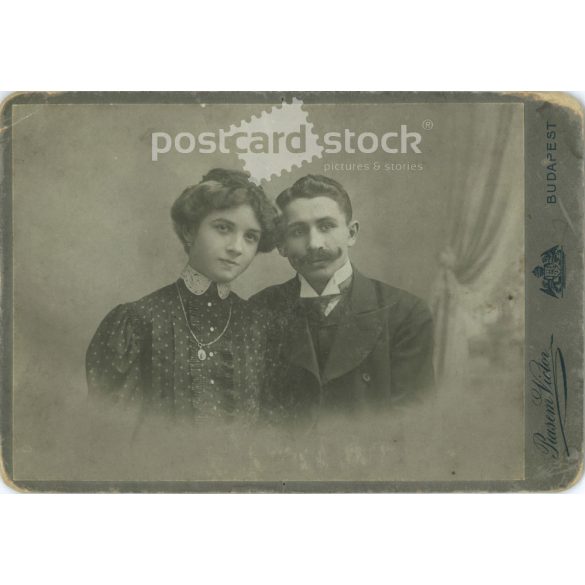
{"type": "Point", "coordinates": [300, 292]}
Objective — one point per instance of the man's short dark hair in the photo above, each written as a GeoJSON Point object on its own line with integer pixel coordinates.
{"type": "Point", "coordinates": [315, 186]}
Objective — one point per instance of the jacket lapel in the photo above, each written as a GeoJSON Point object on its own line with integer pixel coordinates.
{"type": "Point", "coordinates": [359, 329]}
{"type": "Point", "coordinates": [301, 351]}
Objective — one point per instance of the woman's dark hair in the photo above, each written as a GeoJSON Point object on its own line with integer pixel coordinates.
{"type": "Point", "coordinates": [223, 189]}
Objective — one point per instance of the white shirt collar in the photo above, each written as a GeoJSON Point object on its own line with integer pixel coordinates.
{"type": "Point", "coordinates": [198, 283]}
{"type": "Point", "coordinates": [332, 287]}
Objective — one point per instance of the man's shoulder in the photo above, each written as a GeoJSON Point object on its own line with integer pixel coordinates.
{"type": "Point", "coordinates": [392, 293]}
{"type": "Point", "coordinates": [398, 299]}
{"type": "Point", "coordinates": [277, 293]}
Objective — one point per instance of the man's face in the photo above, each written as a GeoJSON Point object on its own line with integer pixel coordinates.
{"type": "Point", "coordinates": [317, 238]}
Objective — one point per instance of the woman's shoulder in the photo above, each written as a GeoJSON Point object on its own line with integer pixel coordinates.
{"type": "Point", "coordinates": [135, 314]}
{"type": "Point", "coordinates": [132, 321]}
{"type": "Point", "coordinates": [159, 300]}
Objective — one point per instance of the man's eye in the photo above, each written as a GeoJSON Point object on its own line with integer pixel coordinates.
{"type": "Point", "coordinates": [327, 226]}
{"type": "Point", "coordinates": [296, 232]}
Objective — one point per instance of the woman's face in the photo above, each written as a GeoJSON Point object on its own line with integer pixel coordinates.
{"type": "Point", "coordinates": [225, 243]}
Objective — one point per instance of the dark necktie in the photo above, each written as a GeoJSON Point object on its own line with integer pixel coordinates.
{"type": "Point", "coordinates": [315, 307]}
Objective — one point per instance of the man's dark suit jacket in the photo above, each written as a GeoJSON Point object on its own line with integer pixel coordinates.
{"type": "Point", "coordinates": [382, 352]}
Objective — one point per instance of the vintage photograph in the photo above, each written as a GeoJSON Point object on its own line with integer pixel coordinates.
{"type": "Point", "coordinates": [263, 292]}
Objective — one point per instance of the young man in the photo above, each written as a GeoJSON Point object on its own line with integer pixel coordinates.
{"type": "Point", "coordinates": [342, 342]}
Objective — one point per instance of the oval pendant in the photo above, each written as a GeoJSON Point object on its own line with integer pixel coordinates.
{"type": "Point", "coordinates": [201, 354]}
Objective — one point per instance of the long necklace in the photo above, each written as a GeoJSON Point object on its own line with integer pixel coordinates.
{"type": "Point", "coordinates": [201, 353]}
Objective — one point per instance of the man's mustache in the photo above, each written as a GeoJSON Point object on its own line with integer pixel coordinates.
{"type": "Point", "coordinates": [318, 256]}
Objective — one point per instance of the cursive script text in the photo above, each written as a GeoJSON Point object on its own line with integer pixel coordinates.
{"type": "Point", "coordinates": [548, 390]}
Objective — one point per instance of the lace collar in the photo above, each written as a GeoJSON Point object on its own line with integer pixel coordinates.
{"type": "Point", "coordinates": [198, 283]}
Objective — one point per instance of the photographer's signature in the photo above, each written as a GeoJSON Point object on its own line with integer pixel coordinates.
{"type": "Point", "coordinates": [548, 390]}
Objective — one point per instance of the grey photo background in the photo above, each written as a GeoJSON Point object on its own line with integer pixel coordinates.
{"type": "Point", "coordinates": [92, 230]}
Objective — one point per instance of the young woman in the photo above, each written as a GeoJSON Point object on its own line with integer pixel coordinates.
{"type": "Point", "coordinates": [194, 348]}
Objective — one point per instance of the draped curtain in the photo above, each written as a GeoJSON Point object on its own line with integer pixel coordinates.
{"type": "Point", "coordinates": [480, 275]}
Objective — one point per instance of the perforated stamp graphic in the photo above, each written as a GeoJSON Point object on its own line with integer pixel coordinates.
{"type": "Point", "coordinates": [275, 141]}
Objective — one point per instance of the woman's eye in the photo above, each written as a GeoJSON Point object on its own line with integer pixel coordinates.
{"type": "Point", "coordinates": [252, 238]}
{"type": "Point", "coordinates": [222, 227]}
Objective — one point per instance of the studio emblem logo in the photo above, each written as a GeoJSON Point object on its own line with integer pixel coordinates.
{"type": "Point", "coordinates": [552, 272]}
